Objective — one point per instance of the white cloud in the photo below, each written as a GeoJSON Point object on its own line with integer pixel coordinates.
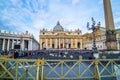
{"type": "Point", "coordinates": [38, 14]}
{"type": "Point", "coordinates": [75, 2]}
{"type": "Point", "coordinates": [15, 2]}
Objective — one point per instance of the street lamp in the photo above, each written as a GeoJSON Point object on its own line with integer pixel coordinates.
{"type": "Point", "coordinates": [93, 28]}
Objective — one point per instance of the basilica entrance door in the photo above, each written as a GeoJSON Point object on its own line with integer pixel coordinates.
{"type": "Point", "coordinates": [61, 45]}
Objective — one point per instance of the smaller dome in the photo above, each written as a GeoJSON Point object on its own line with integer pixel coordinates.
{"type": "Point", "coordinates": [58, 27]}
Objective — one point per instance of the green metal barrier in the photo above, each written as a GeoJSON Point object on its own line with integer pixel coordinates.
{"type": "Point", "coordinates": [18, 69]}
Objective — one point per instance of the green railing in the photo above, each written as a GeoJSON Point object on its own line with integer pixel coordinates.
{"type": "Point", "coordinates": [18, 69]}
{"type": "Point", "coordinates": [24, 69]}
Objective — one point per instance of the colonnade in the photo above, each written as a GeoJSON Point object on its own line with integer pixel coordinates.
{"type": "Point", "coordinates": [61, 43]}
{"type": "Point", "coordinates": [9, 43]}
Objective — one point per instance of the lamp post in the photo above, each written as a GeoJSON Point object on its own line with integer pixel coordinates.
{"type": "Point", "coordinates": [93, 28]}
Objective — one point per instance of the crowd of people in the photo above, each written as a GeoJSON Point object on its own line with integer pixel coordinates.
{"type": "Point", "coordinates": [53, 54]}
{"type": "Point", "coordinates": [16, 53]}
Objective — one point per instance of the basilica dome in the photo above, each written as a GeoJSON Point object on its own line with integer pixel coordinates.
{"type": "Point", "coordinates": [58, 27]}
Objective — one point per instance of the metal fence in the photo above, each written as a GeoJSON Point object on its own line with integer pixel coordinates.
{"type": "Point", "coordinates": [99, 69]}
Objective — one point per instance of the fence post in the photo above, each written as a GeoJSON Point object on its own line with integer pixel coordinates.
{"type": "Point", "coordinates": [16, 68]}
{"type": "Point", "coordinates": [38, 69]}
{"type": "Point", "coordinates": [97, 75]}
{"type": "Point", "coordinates": [42, 73]}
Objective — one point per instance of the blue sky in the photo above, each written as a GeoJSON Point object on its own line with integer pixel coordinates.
{"type": "Point", "coordinates": [33, 15]}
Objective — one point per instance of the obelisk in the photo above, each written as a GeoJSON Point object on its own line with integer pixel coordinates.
{"type": "Point", "coordinates": [110, 28]}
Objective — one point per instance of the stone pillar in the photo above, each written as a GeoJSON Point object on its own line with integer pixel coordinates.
{"type": "Point", "coordinates": [8, 44]}
{"type": "Point", "coordinates": [56, 43]}
{"type": "Point", "coordinates": [66, 43]}
{"type": "Point", "coordinates": [63, 43]}
{"type": "Point", "coordinates": [30, 44]}
{"type": "Point", "coordinates": [3, 45]}
{"type": "Point", "coordinates": [76, 42]}
{"type": "Point", "coordinates": [40, 43]}
{"type": "Point", "coordinates": [49, 44]}
{"type": "Point", "coordinates": [43, 43]}
{"type": "Point", "coordinates": [12, 43]}
{"type": "Point", "coordinates": [81, 46]}
{"type": "Point", "coordinates": [23, 45]}
{"type": "Point", "coordinates": [59, 43]}
{"type": "Point", "coordinates": [71, 43]}
{"type": "Point", "coordinates": [118, 45]}
{"type": "Point", "coordinates": [118, 41]}
{"type": "Point", "coordinates": [46, 43]}
{"type": "Point", "coordinates": [110, 29]}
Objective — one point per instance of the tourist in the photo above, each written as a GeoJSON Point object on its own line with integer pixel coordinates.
{"type": "Point", "coordinates": [91, 56]}
{"type": "Point", "coordinates": [16, 54]}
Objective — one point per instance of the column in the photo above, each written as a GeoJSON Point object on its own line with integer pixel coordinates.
{"type": "Point", "coordinates": [71, 43]}
{"type": "Point", "coordinates": [110, 28]}
{"type": "Point", "coordinates": [56, 43]}
{"type": "Point", "coordinates": [12, 43]}
{"type": "Point", "coordinates": [31, 45]}
{"type": "Point", "coordinates": [76, 43]}
{"type": "Point", "coordinates": [50, 43]}
{"type": "Point", "coordinates": [81, 46]}
{"type": "Point", "coordinates": [67, 45]}
{"type": "Point", "coordinates": [119, 45]}
{"type": "Point", "coordinates": [59, 44]}
{"type": "Point", "coordinates": [43, 43]}
{"type": "Point", "coordinates": [40, 43]}
{"type": "Point", "coordinates": [3, 45]}
{"type": "Point", "coordinates": [46, 43]}
{"type": "Point", "coordinates": [63, 43]}
{"type": "Point", "coordinates": [22, 45]}
{"type": "Point", "coordinates": [8, 44]}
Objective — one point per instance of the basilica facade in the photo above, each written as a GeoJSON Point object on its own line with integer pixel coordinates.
{"type": "Point", "coordinates": [58, 38]}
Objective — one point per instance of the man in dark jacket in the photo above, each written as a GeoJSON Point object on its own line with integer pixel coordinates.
{"type": "Point", "coordinates": [91, 56]}
{"type": "Point", "coordinates": [16, 54]}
